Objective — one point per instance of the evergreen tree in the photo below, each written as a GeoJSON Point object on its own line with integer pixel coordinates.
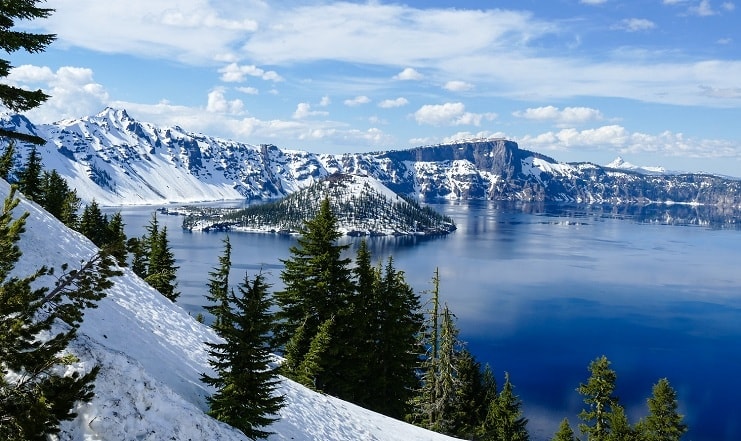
{"type": "Point", "coordinates": [564, 433]}
{"type": "Point", "coordinates": [35, 395]}
{"type": "Point", "coordinates": [29, 178]}
{"type": "Point", "coordinates": [161, 268]}
{"type": "Point", "coordinates": [504, 421]}
{"type": "Point", "coordinates": [317, 288]}
{"type": "Point", "coordinates": [598, 395]}
{"type": "Point", "coordinates": [218, 283]}
{"type": "Point", "coordinates": [620, 428]}
{"type": "Point", "coordinates": [246, 383]}
{"type": "Point", "coordinates": [663, 422]}
{"type": "Point", "coordinates": [15, 98]}
{"type": "Point", "coordinates": [59, 199]}
{"type": "Point", "coordinates": [135, 246]}
{"type": "Point", "coordinates": [309, 371]}
{"type": "Point", "coordinates": [7, 160]}
{"type": "Point", "coordinates": [94, 224]}
{"type": "Point", "coordinates": [476, 389]}
{"type": "Point", "coordinates": [116, 239]}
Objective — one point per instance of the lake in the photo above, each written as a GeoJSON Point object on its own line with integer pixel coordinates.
{"type": "Point", "coordinates": [540, 291]}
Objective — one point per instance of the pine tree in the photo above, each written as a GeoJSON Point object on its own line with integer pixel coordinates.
{"type": "Point", "coordinates": [564, 433]}
{"type": "Point", "coordinates": [16, 98]}
{"type": "Point", "coordinates": [115, 243]}
{"type": "Point", "coordinates": [475, 390]}
{"type": "Point", "coordinates": [161, 268]}
{"type": "Point", "coordinates": [620, 428]}
{"type": "Point", "coordinates": [59, 199]}
{"type": "Point", "coordinates": [29, 178]}
{"type": "Point", "coordinates": [94, 224]}
{"type": "Point", "coordinates": [504, 421]}
{"type": "Point", "coordinates": [598, 395]}
{"type": "Point", "coordinates": [246, 382]}
{"type": "Point", "coordinates": [317, 287]}
{"type": "Point", "coordinates": [135, 247]}
{"type": "Point", "coordinates": [218, 283]}
{"type": "Point", "coordinates": [663, 422]}
{"type": "Point", "coordinates": [309, 371]}
{"type": "Point", "coordinates": [7, 160]}
{"type": "Point", "coordinates": [34, 396]}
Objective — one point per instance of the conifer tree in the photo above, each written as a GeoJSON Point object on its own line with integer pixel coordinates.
{"type": "Point", "coordinates": [598, 395]}
{"type": "Point", "coordinates": [59, 199]}
{"type": "Point", "coordinates": [116, 239]}
{"type": "Point", "coordinates": [135, 247]}
{"type": "Point", "coordinates": [218, 282]}
{"type": "Point", "coordinates": [476, 389]}
{"type": "Point", "coordinates": [663, 422]}
{"type": "Point", "coordinates": [564, 433]}
{"type": "Point", "coordinates": [505, 421]}
{"type": "Point", "coordinates": [35, 396]}
{"type": "Point", "coordinates": [7, 160]}
{"type": "Point", "coordinates": [312, 365]}
{"type": "Point", "coordinates": [94, 224]}
{"type": "Point", "coordinates": [620, 428]}
{"type": "Point", "coordinates": [246, 382]}
{"type": "Point", "coordinates": [161, 268]}
{"type": "Point", "coordinates": [15, 98]}
{"type": "Point", "coordinates": [29, 178]}
{"type": "Point", "coordinates": [317, 288]}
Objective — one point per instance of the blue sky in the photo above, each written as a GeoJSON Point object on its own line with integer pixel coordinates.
{"type": "Point", "coordinates": [657, 82]}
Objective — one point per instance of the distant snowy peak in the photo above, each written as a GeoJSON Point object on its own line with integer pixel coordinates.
{"type": "Point", "coordinates": [621, 164]}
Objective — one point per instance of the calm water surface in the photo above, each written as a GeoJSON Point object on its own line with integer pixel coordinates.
{"type": "Point", "coordinates": [541, 293]}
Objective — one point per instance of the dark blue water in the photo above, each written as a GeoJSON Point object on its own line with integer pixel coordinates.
{"type": "Point", "coordinates": [540, 293]}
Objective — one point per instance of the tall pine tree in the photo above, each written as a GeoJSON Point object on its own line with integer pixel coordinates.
{"type": "Point", "coordinates": [317, 287]}
{"type": "Point", "coordinates": [161, 268]}
{"type": "Point", "coordinates": [7, 160]}
{"type": "Point", "coordinates": [246, 381]}
{"type": "Point", "coordinates": [29, 178]}
{"type": "Point", "coordinates": [598, 393]}
{"type": "Point", "coordinates": [565, 432]}
{"type": "Point", "coordinates": [663, 423]}
{"type": "Point", "coordinates": [505, 421]}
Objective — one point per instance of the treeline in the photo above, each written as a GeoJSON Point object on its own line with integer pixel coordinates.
{"type": "Point", "coordinates": [356, 330]}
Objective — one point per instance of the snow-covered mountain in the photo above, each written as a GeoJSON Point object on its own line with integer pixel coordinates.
{"type": "Point", "coordinates": [116, 160]}
{"type": "Point", "coordinates": [622, 164]}
{"type": "Point", "coordinates": [152, 353]}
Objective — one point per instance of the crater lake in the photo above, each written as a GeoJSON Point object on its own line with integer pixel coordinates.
{"type": "Point", "coordinates": [541, 291]}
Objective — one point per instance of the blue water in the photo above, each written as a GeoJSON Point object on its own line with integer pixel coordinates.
{"type": "Point", "coordinates": [541, 293]}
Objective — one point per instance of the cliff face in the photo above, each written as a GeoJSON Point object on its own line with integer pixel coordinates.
{"type": "Point", "coordinates": [117, 160]}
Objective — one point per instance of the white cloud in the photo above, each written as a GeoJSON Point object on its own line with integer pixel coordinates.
{"type": "Point", "coordinates": [728, 6]}
{"type": "Point", "coordinates": [358, 100]}
{"type": "Point", "coordinates": [303, 110]}
{"type": "Point", "coordinates": [703, 9]}
{"type": "Point", "coordinates": [408, 74]}
{"type": "Point", "coordinates": [325, 101]}
{"type": "Point", "coordinates": [460, 136]}
{"type": "Point", "coordinates": [389, 103]}
{"type": "Point", "coordinates": [593, 2]}
{"type": "Point", "coordinates": [458, 86]}
{"type": "Point", "coordinates": [73, 91]}
{"type": "Point", "coordinates": [635, 24]}
{"type": "Point", "coordinates": [621, 140]}
{"type": "Point", "coordinates": [234, 73]}
{"type": "Point", "coordinates": [248, 90]}
{"type": "Point", "coordinates": [567, 115]}
{"type": "Point", "coordinates": [449, 114]}
{"type": "Point", "coordinates": [217, 103]}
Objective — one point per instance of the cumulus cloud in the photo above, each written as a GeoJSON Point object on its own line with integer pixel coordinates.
{"type": "Point", "coordinates": [567, 115]}
{"type": "Point", "coordinates": [635, 25]}
{"type": "Point", "coordinates": [358, 100]}
{"type": "Point", "coordinates": [408, 74]}
{"type": "Point", "coordinates": [452, 114]}
{"type": "Point", "coordinates": [325, 101]}
{"type": "Point", "coordinates": [234, 73]}
{"type": "Point", "coordinates": [621, 140]}
{"type": "Point", "coordinates": [457, 86]}
{"type": "Point", "coordinates": [303, 110]}
{"type": "Point", "coordinates": [217, 103]}
{"type": "Point", "coordinates": [248, 90]}
{"type": "Point", "coordinates": [703, 9]}
{"type": "Point", "coordinates": [73, 91]}
{"type": "Point", "coordinates": [390, 103]}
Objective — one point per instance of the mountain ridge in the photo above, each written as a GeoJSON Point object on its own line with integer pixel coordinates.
{"type": "Point", "coordinates": [117, 160]}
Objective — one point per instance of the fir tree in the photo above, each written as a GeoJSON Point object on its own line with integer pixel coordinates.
{"type": "Point", "coordinates": [34, 396]}
{"type": "Point", "coordinates": [7, 160]}
{"type": "Point", "coordinates": [598, 395]}
{"type": "Point", "coordinates": [663, 422]}
{"type": "Point", "coordinates": [246, 382]}
{"type": "Point", "coordinates": [317, 288]}
{"type": "Point", "coordinates": [29, 178]}
{"type": "Point", "coordinates": [504, 421]}
{"type": "Point", "coordinates": [218, 282]}
{"type": "Point", "coordinates": [135, 247]}
{"type": "Point", "coordinates": [161, 268]}
{"type": "Point", "coordinates": [309, 371]}
{"type": "Point", "coordinates": [59, 199]}
{"type": "Point", "coordinates": [15, 98]}
{"type": "Point", "coordinates": [116, 239]}
{"type": "Point", "coordinates": [94, 224]}
{"type": "Point", "coordinates": [620, 428]}
{"type": "Point", "coordinates": [476, 389]}
{"type": "Point", "coordinates": [564, 433]}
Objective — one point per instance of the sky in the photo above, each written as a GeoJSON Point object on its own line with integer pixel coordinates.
{"type": "Point", "coordinates": [657, 82]}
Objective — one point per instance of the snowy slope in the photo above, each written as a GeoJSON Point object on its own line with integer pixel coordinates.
{"type": "Point", "coordinates": [151, 354]}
